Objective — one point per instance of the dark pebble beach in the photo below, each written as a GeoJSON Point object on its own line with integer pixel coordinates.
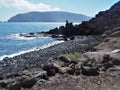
{"type": "Point", "coordinates": [36, 58]}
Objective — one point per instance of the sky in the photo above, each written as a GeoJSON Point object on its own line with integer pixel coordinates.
{"type": "Point", "coordinates": [9, 8]}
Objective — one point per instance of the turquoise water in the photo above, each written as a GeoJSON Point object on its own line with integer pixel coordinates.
{"type": "Point", "coordinates": [10, 43]}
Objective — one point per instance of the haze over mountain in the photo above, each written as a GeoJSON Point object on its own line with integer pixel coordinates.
{"type": "Point", "coordinates": [51, 16]}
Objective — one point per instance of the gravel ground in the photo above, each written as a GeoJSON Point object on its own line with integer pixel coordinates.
{"type": "Point", "coordinates": [36, 58]}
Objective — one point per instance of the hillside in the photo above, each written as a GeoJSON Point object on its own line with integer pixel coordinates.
{"type": "Point", "coordinates": [107, 24]}
{"type": "Point", "coordinates": [103, 21]}
{"type": "Point", "coordinates": [53, 16]}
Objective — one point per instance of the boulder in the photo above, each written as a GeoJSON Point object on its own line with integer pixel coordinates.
{"type": "Point", "coordinates": [107, 65]}
{"type": "Point", "coordinates": [77, 72]}
{"type": "Point", "coordinates": [72, 65]}
{"type": "Point", "coordinates": [6, 83]}
{"type": "Point", "coordinates": [115, 61]}
{"type": "Point", "coordinates": [12, 75]}
{"type": "Point", "coordinates": [90, 71]}
{"type": "Point", "coordinates": [90, 68]}
{"type": "Point", "coordinates": [50, 67]}
{"type": "Point", "coordinates": [15, 86]}
{"type": "Point", "coordinates": [78, 68]}
{"type": "Point", "coordinates": [41, 75]}
{"type": "Point", "coordinates": [68, 70]}
{"type": "Point", "coordinates": [3, 84]}
{"type": "Point", "coordinates": [106, 59]}
{"type": "Point", "coordinates": [64, 59]}
{"type": "Point", "coordinates": [113, 71]}
{"type": "Point", "coordinates": [51, 72]}
{"type": "Point", "coordinates": [28, 83]}
{"type": "Point", "coordinates": [1, 77]}
{"type": "Point", "coordinates": [40, 82]}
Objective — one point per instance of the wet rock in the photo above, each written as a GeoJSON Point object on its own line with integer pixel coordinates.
{"type": "Point", "coordinates": [28, 83]}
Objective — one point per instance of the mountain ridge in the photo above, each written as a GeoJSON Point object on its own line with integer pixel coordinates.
{"type": "Point", "coordinates": [50, 16]}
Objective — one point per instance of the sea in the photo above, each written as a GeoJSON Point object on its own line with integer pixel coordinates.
{"type": "Point", "coordinates": [11, 44]}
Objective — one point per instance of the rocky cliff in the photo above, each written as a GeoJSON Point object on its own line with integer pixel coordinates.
{"type": "Point", "coordinates": [103, 21]}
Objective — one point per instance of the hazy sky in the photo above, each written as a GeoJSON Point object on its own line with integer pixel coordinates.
{"type": "Point", "coordinates": [10, 8]}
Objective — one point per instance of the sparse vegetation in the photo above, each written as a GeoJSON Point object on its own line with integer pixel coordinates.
{"type": "Point", "coordinates": [99, 46]}
{"type": "Point", "coordinates": [72, 56]}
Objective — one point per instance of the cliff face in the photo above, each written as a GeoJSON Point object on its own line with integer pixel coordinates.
{"type": "Point", "coordinates": [103, 21]}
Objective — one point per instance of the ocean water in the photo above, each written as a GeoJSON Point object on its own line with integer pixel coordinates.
{"type": "Point", "coordinates": [11, 44]}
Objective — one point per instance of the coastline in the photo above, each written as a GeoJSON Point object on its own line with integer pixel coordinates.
{"type": "Point", "coordinates": [89, 59]}
{"type": "Point", "coordinates": [30, 50]}
{"type": "Point", "coordinates": [38, 57]}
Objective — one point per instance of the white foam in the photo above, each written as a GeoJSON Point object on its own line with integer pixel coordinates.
{"type": "Point", "coordinates": [115, 51]}
{"type": "Point", "coordinates": [30, 50]}
{"type": "Point", "coordinates": [18, 37]}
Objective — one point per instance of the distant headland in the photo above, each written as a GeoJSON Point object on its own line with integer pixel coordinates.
{"type": "Point", "coordinates": [51, 16]}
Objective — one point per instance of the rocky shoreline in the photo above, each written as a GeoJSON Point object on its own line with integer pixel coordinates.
{"type": "Point", "coordinates": [82, 63]}
{"type": "Point", "coordinates": [35, 58]}
{"type": "Point", "coordinates": [25, 64]}
{"type": "Point", "coordinates": [75, 62]}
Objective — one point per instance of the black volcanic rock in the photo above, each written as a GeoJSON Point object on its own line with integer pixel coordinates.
{"type": "Point", "coordinates": [103, 21]}
{"type": "Point", "coordinates": [68, 30]}
{"type": "Point", "coordinates": [53, 16]}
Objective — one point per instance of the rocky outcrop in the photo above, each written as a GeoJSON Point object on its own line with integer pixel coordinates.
{"type": "Point", "coordinates": [67, 31]}
{"type": "Point", "coordinates": [104, 21]}
{"type": "Point", "coordinates": [86, 66]}
{"type": "Point", "coordinates": [62, 65]}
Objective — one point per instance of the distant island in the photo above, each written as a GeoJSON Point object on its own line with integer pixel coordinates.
{"type": "Point", "coordinates": [51, 16]}
{"type": "Point", "coordinates": [88, 61]}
